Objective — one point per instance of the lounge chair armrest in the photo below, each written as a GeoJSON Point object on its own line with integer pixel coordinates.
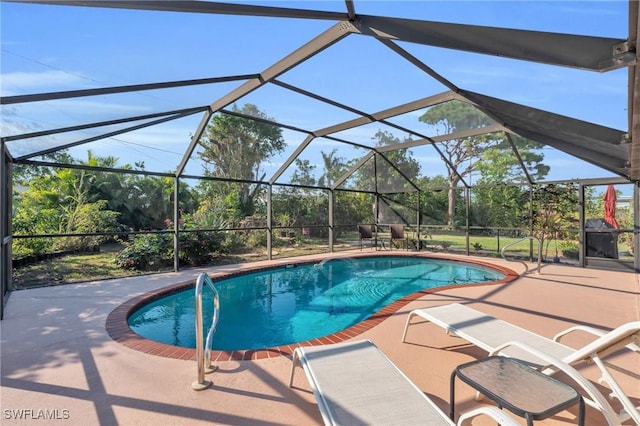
{"type": "Point", "coordinates": [596, 332]}
{"type": "Point", "coordinates": [501, 417]}
{"type": "Point", "coordinates": [585, 328]}
{"type": "Point", "coordinates": [595, 398]}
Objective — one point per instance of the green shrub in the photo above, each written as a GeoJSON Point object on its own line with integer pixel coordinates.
{"type": "Point", "coordinates": [257, 239]}
{"type": "Point", "coordinates": [90, 218]}
{"type": "Point", "coordinates": [567, 245]}
{"type": "Point", "coordinates": [29, 221]}
{"type": "Point", "coordinates": [145, 252]}
{"type": "Point", "coordinates": [150, 251]}
{"type": "Point", "coordinates": [232, 242]}
{"type": "Point", "coordinates": [569, 249]}
{"type": "Point", "coordinates": [199, 247]}
{"type": "Point", "coordinates": [23, 247]}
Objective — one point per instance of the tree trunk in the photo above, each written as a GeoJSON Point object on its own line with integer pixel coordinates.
{"type": "Point", "coordinates": [451, 212]}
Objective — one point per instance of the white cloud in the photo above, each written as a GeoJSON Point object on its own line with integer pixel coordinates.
{"type": "Point", "coordinates": [158, 137]}
{"type": "Point", "coordinates": [68, 112]}
{"type": "Point", "coordinates": [432, 159]}
{"type": "Point", "coordinates": [87, 106]}
{"type": "Point", "coordinates": [14, 83]}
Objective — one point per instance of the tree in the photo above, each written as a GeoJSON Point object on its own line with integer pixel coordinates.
{"type": "Point", "coordinates": [24, 173]}
{"type": "Point", "coordinates": [149, 200]}
{"type": "Point", "coordinates": [400, 158]}
{"type": "Point", "coordinates": [61, 200]}
{"type": "Point", "coordinates": [310, 206]}
{"type": "Point", "coordinates": [433, 204]}
{"type": "Point", "coordinates": [333, 168]}
{"type": "Point", "coordinates": [498, 204]}
{"type": "Point", "coordinates": [236, 148]}
{"type": "Point", "coordinates": [351, 208]}
{"type": "Point", "coordinates": [144, 202]}
{"type": "Point", "coordinates": [303, 175]}
{"type": "Point", "coordinates": [387, 178]}
{"type": "Point", "coordinates": [555, 207]}
{"type": "Point", "coordinates": [390, 174]}
{"type": "Point", "coordinates": [36, 211]}
{"type": "Point", "coordinates": [499, 166]}
{"type": "Point", "coordinates": [488, 154]}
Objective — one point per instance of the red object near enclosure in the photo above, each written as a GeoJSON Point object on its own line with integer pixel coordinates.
{"type": "Point", "coordinates": [610, 207]}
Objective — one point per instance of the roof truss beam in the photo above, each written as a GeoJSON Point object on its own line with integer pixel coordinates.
{"type": "Point", "coordinates": [103, 123]}
{"type": "Point", "coordinates": [515, 151]}
{"type": "Point", "coordinates": [388, 113]}
{"type": "Point", "coordinates": [443, 138]}
{"type": "Point", "coordinates": [188, 6]}
{"type": "Point", "coordinates": [107, 135]}
{"type": "Point", "coordinates": [353, 169]}
{"type": "Point", "coordinates": [291, 159]}
{"type": "Point", "coordinates": [20, 99]}
{"type": "Point", "coordinates": [568, 50]}
{"type": "Point", "coordinates": [602, 160]}
{"type": "Point", "coordinates": [329, 37]}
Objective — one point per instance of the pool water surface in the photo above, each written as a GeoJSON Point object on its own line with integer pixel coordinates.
{"type": "Point", "coordinates": [291, 304]}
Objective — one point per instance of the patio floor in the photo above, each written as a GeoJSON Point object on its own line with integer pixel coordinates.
{"type": "Point", "coordinates": [58, 360]}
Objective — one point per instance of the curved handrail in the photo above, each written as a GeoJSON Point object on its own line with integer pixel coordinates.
{"type": "Point", "coordinates": [203, 351]}
{"type": "Point", "coordinates": [529, 237]}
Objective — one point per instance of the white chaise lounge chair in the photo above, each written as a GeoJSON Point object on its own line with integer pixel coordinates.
{"type": "Point", "coordinates": [496, 337]}
{"type": "Point", "coordinates": [355, 383]}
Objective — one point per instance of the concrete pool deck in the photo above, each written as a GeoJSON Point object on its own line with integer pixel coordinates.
{"type": "Point", "coordinates": [58, 360]}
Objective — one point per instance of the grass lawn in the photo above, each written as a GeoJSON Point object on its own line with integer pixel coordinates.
{"type": "Point", "coordinates": [101, 265]}
{"type": "Point", "coordinates": [71, 268]}
{"type": "Point", "coordinates": [484, 243]}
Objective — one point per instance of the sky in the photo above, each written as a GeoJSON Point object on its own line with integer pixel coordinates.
{"type": "Point", "coordinates": [48, 48]}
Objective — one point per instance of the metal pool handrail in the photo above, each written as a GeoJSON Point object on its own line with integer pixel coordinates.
{"type": "Point", "coordinates": [203, 351]}
{"type": "Point", "coordinates": [530, 237]}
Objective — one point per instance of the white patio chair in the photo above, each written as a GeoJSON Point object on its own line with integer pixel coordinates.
{"type": "Point", "coordinates": [354, 383]}
{"type": "Point", "coordinates": [494, 335]}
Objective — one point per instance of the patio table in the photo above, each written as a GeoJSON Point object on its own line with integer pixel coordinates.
{"type": "Point", "coordinates": [514, 385]}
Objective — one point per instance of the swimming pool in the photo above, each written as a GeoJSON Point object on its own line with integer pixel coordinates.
{"type": "Point", "coordinates": [284, 305]}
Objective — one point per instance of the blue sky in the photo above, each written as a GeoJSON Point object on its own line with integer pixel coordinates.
{"type": "Point", "coordinates": [56, 48]}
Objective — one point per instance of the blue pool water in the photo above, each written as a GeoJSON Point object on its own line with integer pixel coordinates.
{"type": "Point", "coordinates": [292, 304]}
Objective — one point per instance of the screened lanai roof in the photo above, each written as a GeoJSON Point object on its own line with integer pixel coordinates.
{"type": "Point", "coordinates": [139, 81]}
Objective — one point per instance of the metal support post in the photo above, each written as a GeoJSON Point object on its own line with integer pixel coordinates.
{"type": "Point", "coordinates": [468, 208]}
{"type": "Point", "coordinates": [269, 223]}
{"type": "Point", "coordinates": [636, 226]}
{"type": "Point", "coordinates": [5, 222]}
{"type": "Point", "coordinates": [176, 221]}
{"type": "Point", "coordinates": [331, 224]}
{"type": "Point", "coordinates": [418, 222]}
{"type": "Point", "coordinates": [582, 248]}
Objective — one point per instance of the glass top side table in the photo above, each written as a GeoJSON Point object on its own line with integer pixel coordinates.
{"type": "Point", "coordinates": [514, 385]}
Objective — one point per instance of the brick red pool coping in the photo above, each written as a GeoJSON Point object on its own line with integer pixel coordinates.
{"type": "Point", "coordinates": [118, 327]}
